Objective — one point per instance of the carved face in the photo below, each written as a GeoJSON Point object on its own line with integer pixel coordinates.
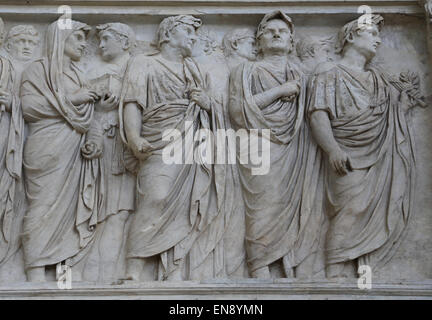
{"type": "Point", "coordinates": [367, 41]}
{"type": "Point", "coordinates": [22, 46]}
{"type": "Point", "coordinates": [75, 45]}
{"type": "Point", "coordinates": [183, 37]}
{"type": "Point", "coordinates": [246, 48]}
{"type": "Point", "coordinates": [200, 47]}
{"type": "Point", "coordinates": [109, 45]}
{"type": "Point", "coordinates": [276, 36]}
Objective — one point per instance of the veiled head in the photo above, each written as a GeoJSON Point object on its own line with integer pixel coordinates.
{"type": "Point", "coordinates": [69, 40]}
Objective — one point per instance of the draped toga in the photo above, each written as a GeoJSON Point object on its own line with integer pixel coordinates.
{"type": "Point", "coordinates": [369, 207]}
{"type": "Point", "coordinates": [190, 197]}
{"type": "Point", "coordinates": [53, 165]}
{"type": "Point", "coordinates": [11, 144]}
{"type": "Point", "coordinates": [283, 216]}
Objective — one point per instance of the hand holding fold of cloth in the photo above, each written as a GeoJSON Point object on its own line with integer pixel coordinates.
{"type": "Point", "coordinates": [340, 162]}
{"type": "Point", "coordinates": [141, 148]}
{"type": "Point", "coordinates": [290, 90]}
{"type": "Point", "coordinates": [91, 150]}
{"type": "Point", "coordinates": [83, 96]}
{"type": "Point", "coordinates": [93, 146]}
{"type": "Point", "coordinates": [5, 100]}
{"type": "Point", "coordinates": [201, 98]}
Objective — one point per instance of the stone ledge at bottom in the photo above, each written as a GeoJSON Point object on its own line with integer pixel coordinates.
{"type": "Point", "coordinates": [245, 289]}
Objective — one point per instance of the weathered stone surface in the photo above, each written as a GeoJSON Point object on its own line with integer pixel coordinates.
{"type": "Point", "coordinates": [89, 179]}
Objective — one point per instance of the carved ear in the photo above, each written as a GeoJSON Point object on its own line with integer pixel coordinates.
{"type": "Point", "coordinates": [126, 45]}
{"type": "Point", "coordinates": [7, 46]}
{"type": "Point", "coordinates": [350, 38]}
{"type": "Point", "coordinates": [234, 44]}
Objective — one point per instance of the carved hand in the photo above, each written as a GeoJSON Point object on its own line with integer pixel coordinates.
{"type": "Point", "coordinates": [108, 102]}
{"type": "Point", "coordinates": [83, 96]}
{"type": "Point", "coordinates": [340, 162]}
{"type": "Point", "coordinates": [141, 148]}
{"type": "Point", "coordinates": [6, 100]}
{"type": "Point", "coordinates": [290, 90]}
{"type": "Point", "coordinates": [410, 99]}
{"type": "Point", "coordinates": [201, 98]}
{"type": "Point", "coordinates": [91, 150]}
{"type": "Point", "coordinates": [404, 101]}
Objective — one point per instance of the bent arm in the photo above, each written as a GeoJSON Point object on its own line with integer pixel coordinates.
{"type": "Point", "coordinates": [322, 132]}
{"type": "Point", "coordinates": [265, 98]}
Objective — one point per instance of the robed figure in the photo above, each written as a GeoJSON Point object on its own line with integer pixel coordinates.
{"type": "Point", "coordinates": [362, 125]}
{"type": "Point", "coordinates": [58, 107]}
{"type": "Point", "coordinates": [11, 145]}
{"type": "Point", "coordinates": [269, 94]}
{"type": "Point", "coordinates": [179, 217]}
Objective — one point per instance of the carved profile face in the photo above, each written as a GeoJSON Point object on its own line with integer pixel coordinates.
{"type": "Point", "coordinates": [276, 36]}
{"type": "Point", "coordinates": [110, 46]}
{"type": "Point", "coordinates": [183, 36]}
{"type": "Point", "coordinates": [200, 47]}
{"type": "Point", "coordinates": [22, 46]}
{"type": "Point", "coordinates": [75, 45]}
{"type": "Point", "coordinates": [366, 41]}
{"type": "Point", "coordinates": [246, 48]}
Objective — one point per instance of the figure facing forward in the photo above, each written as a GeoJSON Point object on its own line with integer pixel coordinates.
{"type": "Point", "coordinates": [282, 224]}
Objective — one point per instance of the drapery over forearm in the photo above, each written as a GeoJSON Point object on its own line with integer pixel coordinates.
{"type": "Point", "coordinates": [33, 104]}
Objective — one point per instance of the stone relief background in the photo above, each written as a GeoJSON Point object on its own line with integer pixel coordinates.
{"type": "Point", "coordinates": [403, 48]}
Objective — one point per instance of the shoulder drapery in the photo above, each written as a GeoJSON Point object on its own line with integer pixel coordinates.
{"type": "Point", "coordinates": [369, 208]}
{"type": "Point", "coordinates": [195, 199]}
{"type": "Point", "coordinates": [53, 230]}
{"type": "Point", "coordinates": [283, 215]}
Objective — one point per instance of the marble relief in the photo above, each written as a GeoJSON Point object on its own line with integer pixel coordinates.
{"type": "Point", "coordinates": [114, 169]}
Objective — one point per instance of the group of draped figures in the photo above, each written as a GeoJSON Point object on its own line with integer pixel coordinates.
{"type": "Point", "coordinates": [84, 176]}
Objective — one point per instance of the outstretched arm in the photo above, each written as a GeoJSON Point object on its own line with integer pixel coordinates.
{"type": "Point", "coordinates": [323, 134]}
